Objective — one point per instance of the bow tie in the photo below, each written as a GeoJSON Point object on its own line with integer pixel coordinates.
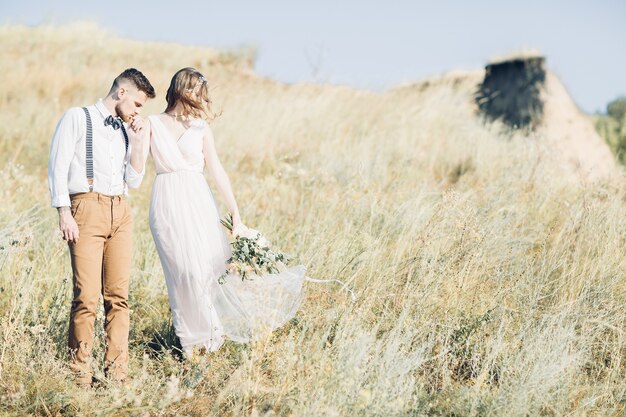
{"type": "Point", "coordinates": [114, 122]}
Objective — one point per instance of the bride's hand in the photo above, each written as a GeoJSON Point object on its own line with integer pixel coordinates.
{"type": "Point", "coordinates": [137, 124]}
{"type": "Point", "coordinates": [239, 229]}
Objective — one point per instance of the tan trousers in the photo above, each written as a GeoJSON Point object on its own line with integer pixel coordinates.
{"type": "Point", "coordinates": [101, 265]}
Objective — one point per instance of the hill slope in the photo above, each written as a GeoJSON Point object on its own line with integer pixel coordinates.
{"type": "Point", "coordinates": [488, 282]}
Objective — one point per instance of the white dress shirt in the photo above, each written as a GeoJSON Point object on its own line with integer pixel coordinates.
{"type": "Point", "coordinates": [112, 171]}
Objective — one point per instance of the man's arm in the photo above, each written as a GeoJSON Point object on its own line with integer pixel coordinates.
{"type": "Point", "coordinates": [66, 135]}
{"type": "Point", "coordinates": [139, 138]}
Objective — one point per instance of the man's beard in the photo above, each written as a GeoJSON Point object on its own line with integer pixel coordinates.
{"type": "Point", "coordinates": [120, 114]}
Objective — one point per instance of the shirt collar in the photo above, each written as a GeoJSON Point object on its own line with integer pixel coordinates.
{"type": "Point", "coordinates": [102, 109]}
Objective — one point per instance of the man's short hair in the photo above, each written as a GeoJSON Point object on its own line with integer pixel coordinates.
{"type": "Point", "coordinates": [137, 78]}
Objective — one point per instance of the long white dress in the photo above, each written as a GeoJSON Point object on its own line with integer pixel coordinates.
{"type": "Point", "coordinates": [193, 249]}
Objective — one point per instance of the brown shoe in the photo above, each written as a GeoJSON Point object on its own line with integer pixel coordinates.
{"type": "Point", "coordinates": [83, 380]}
{"type": "Point", "coordinates": [118, 383]}
{"type": "Point", "coordinates": [115, 371]}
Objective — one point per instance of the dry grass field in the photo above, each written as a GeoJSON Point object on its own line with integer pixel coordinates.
{"type": "Point", "coordinates": [490, 277]}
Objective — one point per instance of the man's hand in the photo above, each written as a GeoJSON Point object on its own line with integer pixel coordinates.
{"type": "Point", "coordinates": [67, 225]}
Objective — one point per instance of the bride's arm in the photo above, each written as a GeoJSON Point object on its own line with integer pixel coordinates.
{"type": "Point", "coordinates": [222, 181]}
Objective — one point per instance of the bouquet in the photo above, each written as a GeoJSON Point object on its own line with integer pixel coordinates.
{"type": "Point", "coordinates": [251, 255]}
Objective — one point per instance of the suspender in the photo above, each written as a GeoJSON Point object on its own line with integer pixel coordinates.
{"type": "Point", "coordinates": [125, 136]}
{"type": "Point", "coordinates": [126, 143]}
{"type": "Point", "coordinates": [89, 149]}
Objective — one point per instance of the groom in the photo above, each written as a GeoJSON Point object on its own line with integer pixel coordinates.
{"type": "Point", "coordinates": [94, 158]}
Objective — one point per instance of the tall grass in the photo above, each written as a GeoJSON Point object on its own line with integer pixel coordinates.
{"type": "Point", "coordinates": [488, 282]}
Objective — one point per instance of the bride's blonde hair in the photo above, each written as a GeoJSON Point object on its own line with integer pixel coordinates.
{"type": "Point", "coordinates": [180, 90]}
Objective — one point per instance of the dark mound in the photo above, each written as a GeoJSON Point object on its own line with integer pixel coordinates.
{"type": "Point", "coordinates": [511, 91]}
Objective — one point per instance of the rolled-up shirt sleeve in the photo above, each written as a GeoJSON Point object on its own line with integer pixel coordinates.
{"type": "Point", "coordinates": [66, 136]}
{"type": "Point", "coordinates": [133, 178]}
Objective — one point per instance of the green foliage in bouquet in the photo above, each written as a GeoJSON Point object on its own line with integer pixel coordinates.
{"type": "Point", "coordinates": [251, 255]}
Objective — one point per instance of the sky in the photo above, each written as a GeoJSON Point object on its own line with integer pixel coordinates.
{"type": "Point", "coordinates": [374, 44]}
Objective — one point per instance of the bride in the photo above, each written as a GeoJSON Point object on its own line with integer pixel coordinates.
{"type": "Point", "coordinates": [190, 239]}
